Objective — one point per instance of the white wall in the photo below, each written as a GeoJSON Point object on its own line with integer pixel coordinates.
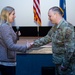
{"type": "Point", "coordinates": [24, 11]}
{"type": "Point", "coordinates": [70, 9]}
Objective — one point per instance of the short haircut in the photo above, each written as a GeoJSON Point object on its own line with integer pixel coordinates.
{"type": "Point", "coordinates": [57, 9]}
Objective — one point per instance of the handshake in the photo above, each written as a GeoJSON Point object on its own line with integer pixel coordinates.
{"type": "Point", "coordinates": [29, 45]}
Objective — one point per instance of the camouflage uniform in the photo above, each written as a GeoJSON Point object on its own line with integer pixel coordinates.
{"type": "Point", "coordinates": [61, 36]}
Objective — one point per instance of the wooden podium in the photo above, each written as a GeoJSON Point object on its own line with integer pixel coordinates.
{"type": "Point", "coordinates": [36, 61]}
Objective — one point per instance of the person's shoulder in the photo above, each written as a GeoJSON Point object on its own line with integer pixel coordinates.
{"type": "Point", "coordinates": [67, 27]}
{"type": "Point", "coordinates": [68, 24]}
{"type": "Point", "coordinates": [4, 27]}
{"type": "Point", "coordinates": [4, 24]}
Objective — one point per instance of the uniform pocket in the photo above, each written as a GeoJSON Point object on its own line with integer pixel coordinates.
{"type": "Point", "coordinates": [57, 59]}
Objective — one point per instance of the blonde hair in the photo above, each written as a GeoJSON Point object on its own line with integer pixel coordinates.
{"type": "Point", "coordinates": [6, 11]}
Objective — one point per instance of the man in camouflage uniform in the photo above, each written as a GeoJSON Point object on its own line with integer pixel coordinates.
{"type": "Point", "coordinates": [61, 35]}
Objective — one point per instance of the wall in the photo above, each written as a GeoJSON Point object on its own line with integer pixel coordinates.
{"type": "Point", "coordinates": [24, 11]}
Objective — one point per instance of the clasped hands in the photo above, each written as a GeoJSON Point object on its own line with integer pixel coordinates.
{"type": "Point", "coordinates": [63, 68]}
{"type": "Point", "coordinates": [29, 45]}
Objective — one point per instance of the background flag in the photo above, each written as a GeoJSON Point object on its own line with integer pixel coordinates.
{"type": "Point", "coordinates": [36, 11]}
{"type": "Point", "coordinates": [63, 6]}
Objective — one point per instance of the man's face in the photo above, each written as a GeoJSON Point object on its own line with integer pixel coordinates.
{"type": "Point", "coordinates": [52, 16]}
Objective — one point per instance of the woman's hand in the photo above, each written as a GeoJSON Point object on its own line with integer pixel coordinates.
{"type": "Point", "coordinates": [29, 45]}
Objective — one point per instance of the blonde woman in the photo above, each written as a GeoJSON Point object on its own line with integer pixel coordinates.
{"type": "Point", "coordinates": [8, 40]}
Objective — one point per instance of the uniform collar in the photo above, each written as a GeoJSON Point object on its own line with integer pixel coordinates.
{"type": "Point", "coordinates": [60, 22]}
